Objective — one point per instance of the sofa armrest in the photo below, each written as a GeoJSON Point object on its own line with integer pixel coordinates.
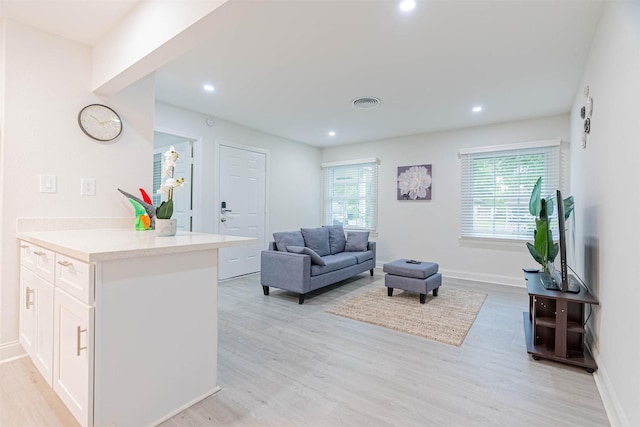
{"type": "Point", "coordinates": [372, 247]}
{"type": "Point", "coordinates": [285, 270]}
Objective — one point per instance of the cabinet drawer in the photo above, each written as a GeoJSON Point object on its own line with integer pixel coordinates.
{"type": "Point", "coordinates": [39, 260]}
{"type": "Point", "coordinates": [75, 277]}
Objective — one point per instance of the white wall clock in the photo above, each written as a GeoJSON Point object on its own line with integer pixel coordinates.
{"type": "Point", "coordinates": [100, 122]}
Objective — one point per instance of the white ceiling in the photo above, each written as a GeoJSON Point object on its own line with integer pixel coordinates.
{"type": "Point", "coordinates": [292, 67]}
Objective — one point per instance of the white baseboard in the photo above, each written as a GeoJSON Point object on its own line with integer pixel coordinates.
{"type": "Point", "coordinates": [11, 351]}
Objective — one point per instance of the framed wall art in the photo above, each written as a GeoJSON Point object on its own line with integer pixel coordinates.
{"type": "Point", "coordinates": [414, 182]}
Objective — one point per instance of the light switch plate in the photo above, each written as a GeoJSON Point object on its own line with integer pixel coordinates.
{"type": "Point", "coordinates": [88, 187]}
{"type": "Point", "coordinates": [48, 183]}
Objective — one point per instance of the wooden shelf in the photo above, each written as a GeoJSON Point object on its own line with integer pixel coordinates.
{"type": "Point", "coordinates": [549, 322]}
{"type": "Point", "coordinates": [554, 327]}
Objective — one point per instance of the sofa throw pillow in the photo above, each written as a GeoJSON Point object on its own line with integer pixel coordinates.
{"type": "Point", "coordinates": [316, 239]}
{"type": "Point", "coordinates": [357, 241]}
{"type": "Point", "coordinates": [336, 239]}
{"type": "Point", "coordinates": [315, 258]}
{"type": "Point", "coordinates": [287, 238]}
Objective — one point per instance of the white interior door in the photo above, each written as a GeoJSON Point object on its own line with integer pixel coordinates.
{"type": "Point", "coordinates": [242, 206]}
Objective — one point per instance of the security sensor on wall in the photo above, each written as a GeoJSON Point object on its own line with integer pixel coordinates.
{"type": "Point", "coordinates": [209, 122]}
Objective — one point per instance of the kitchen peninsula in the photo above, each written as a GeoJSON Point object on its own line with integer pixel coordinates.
{"type": "Point", "coordinates": [121, 323]}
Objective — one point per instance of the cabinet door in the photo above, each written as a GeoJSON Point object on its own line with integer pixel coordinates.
{"type": "Point", "coordinates": [43, 351]}
{"type": "Point", "coordinates": [27, 310]}
{"type": "Point", "coordinates": [73, 356]}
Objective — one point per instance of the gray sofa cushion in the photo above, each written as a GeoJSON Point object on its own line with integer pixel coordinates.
{"type": "Point", "coordinates": [334, 262]}
{"type": "Point", "coordinates": [316, 239]}
{"type": "Point", "coordinates": [362, 256]}
{"type": "Point", "coordinates": [337, 241]}
{"type": "Point", "coordinates": [357, 241]}
{"type": "Point", "coordinates": [288, 238]}
{"type": "Point", "coordinates": [315, 258]}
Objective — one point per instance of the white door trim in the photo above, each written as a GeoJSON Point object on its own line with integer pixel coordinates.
{"type": "Point", "coordinates": [197, 186]}
{"type": "Point", "coordinates": [216, 196]}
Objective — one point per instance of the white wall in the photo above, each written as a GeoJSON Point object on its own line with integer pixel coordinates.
{"type": "Point", "coordinates": [429, 230]}
{"type": "Point", "coordinates": [294, 176]}
{"type": "Point", "coordinates": [47, 82]}
{"type": "Point", "coordinates": [606, 186]}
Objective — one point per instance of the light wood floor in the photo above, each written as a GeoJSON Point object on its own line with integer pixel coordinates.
{"type": "Point", "coordinates": [285, 364]}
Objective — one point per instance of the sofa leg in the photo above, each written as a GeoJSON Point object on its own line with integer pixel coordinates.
{"type": "Point", "coordinates": [435, 292]}
{"type": "Point", "coordinates": [371, 271]}
{"type": "Point", "coordinates": [390, 292]}
{"type": "Point", "coordinates": [301, 299]}
{"type": "Point", "coordinates": [265, 290]}
{"type": "Point", "coordinates": [423, 298]}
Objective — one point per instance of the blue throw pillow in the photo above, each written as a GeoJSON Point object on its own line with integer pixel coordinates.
{"type": "Point", "coordinates": [357, 241]}
{"type": "Point", "coordinates": [315, 258]}
{"type": "Point", "coordinates": [337, 241]}
{"type": "Point", "coordinates": [316, 239]}
{"type": "Point", "coordinates": [287, 238]}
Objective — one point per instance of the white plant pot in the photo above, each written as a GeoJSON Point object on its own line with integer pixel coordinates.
{"type": "Point", "coordinates": [166, 227]}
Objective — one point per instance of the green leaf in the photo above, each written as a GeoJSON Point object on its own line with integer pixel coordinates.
{"type": "Point", "coordinates": [534, 201]}
{"type": "Point", "coordinates": [553, 252]}
{"type": "Point", "coordinates": [541, 238]}
{"type": "Point", "coordinates": [568, 206]}
{"type": "Point", "coordinates": [534, 253]}
{"type": "Point", "coordinates": [165, 210]}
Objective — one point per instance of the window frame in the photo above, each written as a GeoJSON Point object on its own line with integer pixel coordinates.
{"type": "Point", "coordinates": [328, 197]}
{"type": "Point", "coordinates": [554, 177]}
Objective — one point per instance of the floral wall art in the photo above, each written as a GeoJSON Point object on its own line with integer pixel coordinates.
{"type": "Point", "coordinates": [414, 182]}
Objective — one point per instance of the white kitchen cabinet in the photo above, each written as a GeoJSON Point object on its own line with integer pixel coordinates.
{"type": "Point", "coordinates": [36, 308]}
{"type": "Point", "coordinates": [133, 319]}
{"type": "Point", "coordinates": [73, 355]}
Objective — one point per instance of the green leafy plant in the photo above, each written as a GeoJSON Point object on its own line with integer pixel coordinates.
{"type": "Point", "coordinates": [544, 250]}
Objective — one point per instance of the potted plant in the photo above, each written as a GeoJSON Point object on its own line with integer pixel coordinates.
{"type": "Point", "coordinates": [544, 249]}
{"type": "Point", "coordinates": [165, 225]}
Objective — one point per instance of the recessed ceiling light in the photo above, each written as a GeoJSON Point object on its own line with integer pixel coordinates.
{"type": "Point", "coordinates": [332, 133]}
{"type": "Point", "coordinates": [208, 88]}
{"type": "Point", "coordinates": [407, 5]}
{"type": "Point", "coordinates": [476, 109]}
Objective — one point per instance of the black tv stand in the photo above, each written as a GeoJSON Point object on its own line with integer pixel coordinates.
{"type": "Point", "coordinates": [554, 327]}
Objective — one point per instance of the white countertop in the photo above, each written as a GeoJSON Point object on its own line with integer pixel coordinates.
{"type": "Point", "coordinates": [117, 243]}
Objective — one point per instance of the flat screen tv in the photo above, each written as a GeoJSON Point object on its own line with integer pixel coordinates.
{"type": "Point", "coordinates": [565, 281]}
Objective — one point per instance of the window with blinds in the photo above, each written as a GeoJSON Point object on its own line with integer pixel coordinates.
{"type": "Point", "coordinates": [351, 194]}
{"type": "Point", "coordinates": [496, 184]}
{"type": "Point", "coordinates": [157, 178]}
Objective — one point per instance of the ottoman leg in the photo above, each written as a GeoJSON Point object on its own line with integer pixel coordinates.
{"type": "Point", "coordinates": [371, 271]}
{"type": "Point", "coordinates": [265, 290]}
{"type": "Point", "coordinates": [423, 298]}
{"type": "Point", "coordinates": [435, 292]}
{"type": "Point", "coordinates": [390, 292]}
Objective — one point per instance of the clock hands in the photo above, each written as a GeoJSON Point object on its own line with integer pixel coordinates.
{"type": "Point", "coordinates": [102, 122]}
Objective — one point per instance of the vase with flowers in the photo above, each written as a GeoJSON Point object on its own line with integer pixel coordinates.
{"type": "Point", "coordinates": [165, 225]}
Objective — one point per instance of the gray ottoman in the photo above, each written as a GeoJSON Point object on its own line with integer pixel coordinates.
{"type": "Point", "coordinates": [421, 278]}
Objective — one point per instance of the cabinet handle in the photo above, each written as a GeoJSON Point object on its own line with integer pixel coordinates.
{"type": "Point", "coordinates": [28, 303]}
{"type": "Point", "coordinates": [39, 253]}
{"type": "Point", "coordinates": [65, 263]}
{"type": "Point", "coordinates": [78, 347]}
{"type": "Point", "coordinates": [24, 246]}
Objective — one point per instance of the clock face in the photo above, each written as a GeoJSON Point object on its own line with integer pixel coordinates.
{"type": "Point", "coordinates": [100, 122]}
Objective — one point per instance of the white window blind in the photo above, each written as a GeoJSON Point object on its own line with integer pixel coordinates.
{"type": "Point", "coordinates": [351, 194]}
{"type": "Point", "coordinates": [496, 184]}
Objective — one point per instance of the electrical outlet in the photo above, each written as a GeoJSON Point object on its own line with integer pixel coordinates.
{"type": "Point", "coordinates": [88, 187]}
{"type": "Point", "coordinates": [48, 183]}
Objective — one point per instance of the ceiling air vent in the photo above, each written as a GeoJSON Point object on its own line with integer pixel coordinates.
{"type": "Point", "coordinates": [366, 102]}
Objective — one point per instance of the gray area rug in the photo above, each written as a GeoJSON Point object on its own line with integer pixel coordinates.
{"type": "Point", "coordinates": [446, 318]}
